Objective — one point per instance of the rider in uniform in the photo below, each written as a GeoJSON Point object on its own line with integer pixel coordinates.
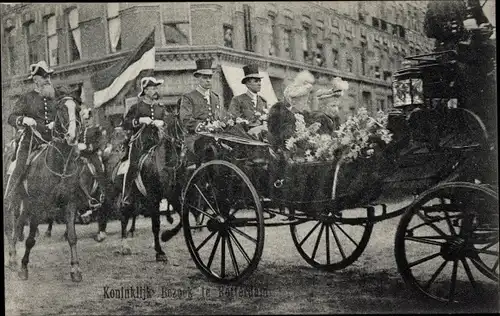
{"type": "Point", "coordinates": [150, 115]}
{"type": "Point", "coordinates": [34, 109]}
{"type": "Point", "coordinates": [200, 106]}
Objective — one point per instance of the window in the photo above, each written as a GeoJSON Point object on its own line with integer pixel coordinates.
{"type": "Point", "coordinates": [401, 32]}
{"type": "Point", "coordinates": [319, 59]}
{"type": "Point", "coordinates": [363, 59]}
{"type": "Point", "coordinates": [335, 57]}
{"type": "Point", "coordinates": [395, 29]}
{"type": "Point", "coordinates": [29, 32]}
{"type": "Point", "coordinates": [367, 99]}
{"type": "Point", "coordinates": [383, 25]}
{"type": "Point", "coordinates": [335, 22]}
{"type": "Point", "coordinates": [114, 26]}
{"type": "Point", "coordinates": [176, 33]}
{"type": "Point", "coordinates": [228, 35]}
{"type": "Point", "coordinates": [375, 22]}
{"type": "Point", "coordinates": [389, 101]}
{"type": "Point", "coordinates": [387, 75]}
{"type": "Point", "coordinates": [349, 64]}
{"type": "Point", "coordinates": [11, 50]}
{"type": "Point", "coordinates": [75, 44]}
{"type": "Point", "coordinates": [52, 40]}
{"type": "Point", "coordinates": [377, 72]}
{"type": "Point", "coordinates": [273, 47]}
{"type": "Point", "coordinates": [287, 43]}
{"type": "Point", "coordinates": [306, 37]}
{"type": "Point", "coordinates": [247, 22]}
{"type": "Point", "coordinates": [361, 17]}
{"type": "Point", "coordinates": [381, 105]}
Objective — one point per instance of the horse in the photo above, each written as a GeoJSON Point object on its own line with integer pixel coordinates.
{"type": "Point", "coordinates": [158, 177]}
{"type": "Point", "coordinates": [51, 179]}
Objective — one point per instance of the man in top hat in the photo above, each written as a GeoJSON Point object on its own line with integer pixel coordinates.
{"type": "Point", "coordinates": [148, 112]}
{"type": "Point", "coordinates": [35, 109]}
{"type": "Point", "coordinates": [250, 105]}
{"type": "Point", "coordinates": [200, 105]}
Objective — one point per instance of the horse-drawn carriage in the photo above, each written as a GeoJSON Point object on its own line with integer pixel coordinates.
{"type": "Point", "coordinates": [438, 157]}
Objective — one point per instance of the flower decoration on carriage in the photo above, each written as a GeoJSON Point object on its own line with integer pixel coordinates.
{"type": "Point", "coordinates": [360, 136]}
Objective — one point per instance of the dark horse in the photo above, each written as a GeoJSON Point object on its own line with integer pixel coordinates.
{"type": "Point", "coordinates": [161, 169]}
{"type": "Point", "coordinates": [52, 179]}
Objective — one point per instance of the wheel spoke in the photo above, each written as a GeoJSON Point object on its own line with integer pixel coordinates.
{"type": "Point", "coordinates": [213, 192]}
{"type": "Point", "coordinates": [309, 234]}
{"type": "Point", "coordinates": [490, 245]}
{"type": "Point", "coordinates": [233, 257]}
{"type": "Point", "coordinates": [223, 258]}
{"type": "Point", "coordinates": [424, 241]}
{"type": "Point", "coordinates": [240, 247]}
{"type": "Point", "coordinates": [327, 232]}
{"type": "Point", "coordinates": [425, 259]}
{"type": "Point", "coordinates": [337, 241]}
{"type": "Point", "coordinates": [205, 241]}
{"type": "Point", "coordinates": [453, 281]}
{"type": "Point", "coordinates": [450, 225]}
{"type": "Point", "coordinates": [201, 211]}
{"type": "Point", "coordinates": [244, 235]}
{"type": "Point", "coordinates": [495, 266]}
{"type": "Point", "coordinates": [469, 273]}
{"type": "Point", "coordinates": [318, 239]}
{"type": "Point", "coordinates": [203, 196]}
{"type": "Point", "coordinates": [484, 268]}
{"type": "Point", "coordinates": [214, 249]}
{"type": "Point", "coordinates": [437, 229]}
{"type": "Point", "coordinates": [435, 275]}
{"type": "Point", "coordinates": [487, 252]}
{"type": "Point", "coordinates": [347, 235]}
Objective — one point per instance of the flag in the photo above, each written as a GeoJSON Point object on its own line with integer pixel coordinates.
{"type": "Point", "coordinates": [114, 80]}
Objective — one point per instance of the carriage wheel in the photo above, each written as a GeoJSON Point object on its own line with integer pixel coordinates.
{"type": "Point", "coordinates": [333, 242]}
{"type": "Point", "coordinates": [447, 243]}
{"type": "Point", "coordinates": [223, 222]}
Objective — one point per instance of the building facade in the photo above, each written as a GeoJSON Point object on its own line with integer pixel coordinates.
{"type": "Point", "coordinates": [363, 42]}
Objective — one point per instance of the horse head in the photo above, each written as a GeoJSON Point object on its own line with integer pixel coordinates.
{"type": "Point", "coordinates": [67, 124]}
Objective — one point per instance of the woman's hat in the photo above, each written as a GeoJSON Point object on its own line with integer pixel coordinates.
{"type": "Point", "coordinates": [204, 67]}
{"type": "Point", "coordinates": [41, 69]}
{"type": "Point", "coordinates": [337, 90]}
{"type": "Point", "coordinates": [251, 71]}
{"type": "Point", "coordinates": [147, 82]}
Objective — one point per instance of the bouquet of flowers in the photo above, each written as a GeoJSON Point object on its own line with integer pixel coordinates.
{"type": "Point", "coordinates": [360, 136]}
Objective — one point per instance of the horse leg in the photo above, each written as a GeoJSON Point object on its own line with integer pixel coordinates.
{"type": "Point", "coordinates": [48, 233]}
{"type": "Point", "coordinates": [30, 243]}
{"type": "Point", "coordinates": [102, 220]}
{"type": "Point", "coordinates": [13, 219]}
{"type": "Point", "coordinates": [125, 212]}
{"type": "Point", "coordinates": [155, 225]}
{"type": "Point", "coordinates": [75, 272]}
{"type": "Point", "coordinates": [132, 227]}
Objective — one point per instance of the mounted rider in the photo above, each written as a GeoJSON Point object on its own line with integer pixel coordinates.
{"type": "Point", "coordinates": [35, 109]}
{"type": "Point", "coordinates": [149, 116]}
{"type": "Point", "coordinates": [89, 144]}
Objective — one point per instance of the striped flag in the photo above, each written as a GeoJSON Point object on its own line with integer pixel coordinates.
{"type": "Point", "coordinates": [114, 80]}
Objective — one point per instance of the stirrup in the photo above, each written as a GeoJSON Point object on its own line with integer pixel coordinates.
{"type": "Point", "coordinates": [93, 203]}
{"type": "Point", "coordinates": [125, 201]}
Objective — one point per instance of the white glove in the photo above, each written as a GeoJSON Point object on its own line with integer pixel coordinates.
{"type": "Point", "coordinates": [145, 120]}
{"type": "Point", "coordinates": [82, 146]}
{"type": "Point", "coordinates": [50, 125]}
{"type": "Point", "coordinates": [158, 123]}
{"type": "Point", "coordinates": [29, 121]}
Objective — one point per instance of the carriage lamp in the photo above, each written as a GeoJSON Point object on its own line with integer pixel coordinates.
{"type": "Point", "coordinates": [407, 88]}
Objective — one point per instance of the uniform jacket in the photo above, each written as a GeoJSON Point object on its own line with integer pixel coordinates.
{"type": "Point", "coordinates": [39, 108]}
{"type": "Point", "coordinates": [194, 109]}
{"type": "Point", "coordinates": [242, 106]}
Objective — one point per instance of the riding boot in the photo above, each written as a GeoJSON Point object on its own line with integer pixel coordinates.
{"type": "Point", "coordinates": [17, 175]}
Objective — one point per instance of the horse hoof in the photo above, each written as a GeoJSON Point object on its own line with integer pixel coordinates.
{"type": "Point", "coordinates": [23, 274]}
{"type": "Point", "coordinates": [130, 234]}
{"type": "Point", "coordinates": [161, 257]}
{"type": "Point", "coordinates": [126, 251]}
{"type": "Point", "coordinates": [48, 234]}
{"type": "Point", "coordinates": [100, 236]}
{"type": "Point", "coordinates": [21, 237]}
{"type": "Point", "coordinates": [76, 276]}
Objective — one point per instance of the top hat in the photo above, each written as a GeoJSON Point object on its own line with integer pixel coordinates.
{"type": "Point", "coordinates": [41, 68]}
{"type": "Point", "coordinates": [250, 71]}
{"type": "Point", "coordinates": [204, 67]}
{"type": "Point", "coordinates": [147, 82]}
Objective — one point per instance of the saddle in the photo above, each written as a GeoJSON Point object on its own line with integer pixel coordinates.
{"type": "Point", "coordinates": [32, 157]}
